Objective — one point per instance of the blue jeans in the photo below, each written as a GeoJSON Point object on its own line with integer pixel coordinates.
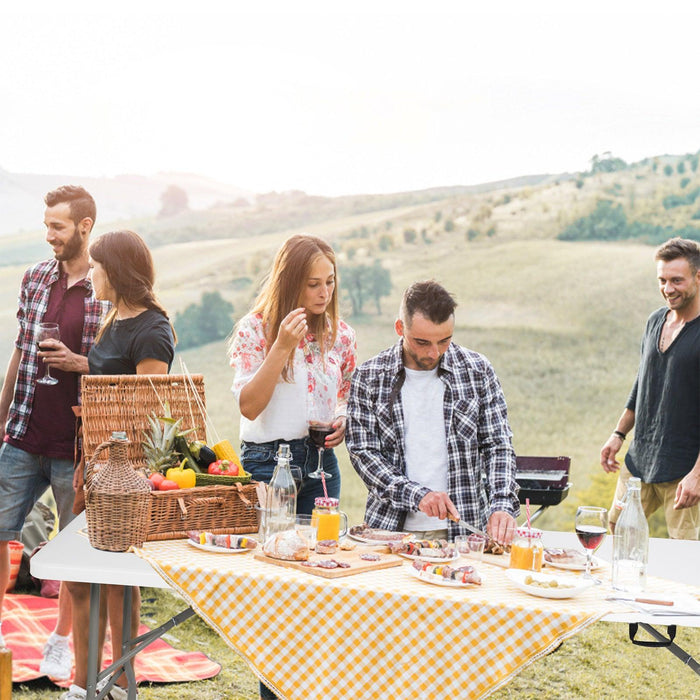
{"type": "Point", "coordinates": [23, 479]}
{"type": "Point", "coordinates": [258, 458]}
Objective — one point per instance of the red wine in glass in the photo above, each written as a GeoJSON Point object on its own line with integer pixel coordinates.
{"type": "Point", "coordinates": [47, 331]}
{"type": "Point", "coordinates": [590, 536]}
{"type": "Point", "coordinates": [591, 526]}
{"type": "Point", "coordinates": [318, 433]}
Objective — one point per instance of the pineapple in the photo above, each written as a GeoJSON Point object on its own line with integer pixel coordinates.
{"type": "Point", "coordinates": [159, 445]}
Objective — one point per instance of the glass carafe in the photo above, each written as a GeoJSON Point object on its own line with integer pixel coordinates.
{"type": "Point", "coordinates": [281, 499]}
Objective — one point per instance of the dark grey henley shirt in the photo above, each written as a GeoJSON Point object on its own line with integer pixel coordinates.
{"type": "Point", "coordinates": [665, 399]}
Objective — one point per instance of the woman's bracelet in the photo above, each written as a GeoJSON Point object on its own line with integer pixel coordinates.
{"type": "Point", "coordinates": [619, 434]}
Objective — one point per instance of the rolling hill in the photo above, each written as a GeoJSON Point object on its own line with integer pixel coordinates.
{"type": "Point", "coordinates": [560, 320]}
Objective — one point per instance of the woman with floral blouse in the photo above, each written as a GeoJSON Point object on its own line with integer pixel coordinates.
{"type": "Point", "coordinates": [292, 353]}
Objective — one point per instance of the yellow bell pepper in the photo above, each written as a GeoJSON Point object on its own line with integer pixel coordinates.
{"type": "Point", "coordinates": [184, 478]}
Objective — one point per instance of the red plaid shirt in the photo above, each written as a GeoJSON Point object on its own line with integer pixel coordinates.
{"type": "Point", "coordinates": [33, 302]}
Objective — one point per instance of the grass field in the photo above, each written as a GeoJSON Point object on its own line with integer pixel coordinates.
{"type": "Point", "coordinates": [560, 322]}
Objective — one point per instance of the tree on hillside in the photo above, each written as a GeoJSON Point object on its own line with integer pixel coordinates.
{"type": "Point", "coordinates": [606, 164]}
{"type": "Point", "coordinates": [173, 201]}
{"type": "Point", "coordinates": [199, 324]}
{"type": "Point", "coordinates": [606, 222]}
{"type": "Point", "coordinates": [365, 282]}
{"type": "Point", "coordinates": [668, 169]}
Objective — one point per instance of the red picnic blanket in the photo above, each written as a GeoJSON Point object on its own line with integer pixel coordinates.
{"type": "Point", "coordinates": [28, 620]}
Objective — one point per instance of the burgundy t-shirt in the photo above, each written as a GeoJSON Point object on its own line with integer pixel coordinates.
{"type": "Point", "coordinates": [51, 429]}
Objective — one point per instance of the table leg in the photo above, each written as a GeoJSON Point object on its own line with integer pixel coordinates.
{"type": "Point", "coordinates": [126, 642]}
{"type": "Point", "coordinates": [666, 642]}
{"type": "Point", "coordinates": [93, 641]}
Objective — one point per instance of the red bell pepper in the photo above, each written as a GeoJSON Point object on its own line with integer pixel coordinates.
{"type": "Point", "coordinates": [223, 467]}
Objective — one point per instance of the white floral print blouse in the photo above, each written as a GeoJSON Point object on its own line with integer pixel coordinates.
{"type": "Point", "coordinates": [320, 386]}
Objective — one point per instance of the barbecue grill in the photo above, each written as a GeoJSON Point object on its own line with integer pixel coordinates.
{"type": "Point", "coordinates": [543, 480]}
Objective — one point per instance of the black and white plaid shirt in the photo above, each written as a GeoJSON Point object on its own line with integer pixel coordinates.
{"type": "Point", "coordinates": [481, 460]}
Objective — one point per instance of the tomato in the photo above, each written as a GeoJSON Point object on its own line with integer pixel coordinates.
{"type": "Point", "coordinates": [168, 485]}
{"type": "Point", "coordinates": [156, 479]}
{"type": "Point", "coordinates": [223, 467]}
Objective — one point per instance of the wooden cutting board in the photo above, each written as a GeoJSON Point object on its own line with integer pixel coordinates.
{"type": "Point", "coordinates": [357, 565]}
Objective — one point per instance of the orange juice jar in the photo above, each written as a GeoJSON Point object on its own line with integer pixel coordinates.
{"type": "Point", "coordinates": [326, 517]}
{"type": "Point", "coordinates": [527, 549]}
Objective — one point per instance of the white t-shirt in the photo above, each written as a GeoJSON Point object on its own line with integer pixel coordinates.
{"type": "Point", "coordinates": [422, 397]}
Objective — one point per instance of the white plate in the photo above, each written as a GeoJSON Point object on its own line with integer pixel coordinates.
{"type": "Point", "coordinates": [517, 577]}
{"type": "Point", "coordinates": [440, 581]}
{"type": "Point", "coordinates": [434, 560]}
{"type": "Point", "coordinates": [217, 550]}
{"type": "Point", "coordinates": [595, 564]}
{"type": "Point", "coordinates": [379, 543]}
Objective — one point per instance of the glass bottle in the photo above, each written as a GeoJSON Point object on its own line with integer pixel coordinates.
{"type": "Point", "coordinates": [281, 501]}
{"type": "Point", "coordinates": [631, 542]}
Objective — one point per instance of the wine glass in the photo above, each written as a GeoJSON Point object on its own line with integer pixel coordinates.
{"type": "Point", "coordinates": [320, 426]}
{"type": "Point", "coordinates": [47, 331]}
{"type": "Point", "coordinates": [591, 528]}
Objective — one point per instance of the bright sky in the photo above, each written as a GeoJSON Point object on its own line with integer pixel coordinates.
{"type": "Point", "coordinates": [340, 97]}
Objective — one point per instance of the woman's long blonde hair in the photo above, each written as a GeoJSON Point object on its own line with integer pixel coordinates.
{"type": "Point", "coordinates": [283, 289]}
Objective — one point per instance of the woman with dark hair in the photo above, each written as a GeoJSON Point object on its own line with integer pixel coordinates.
{"type": "Point", "coordinates": [292, 351]}
{"type": "Point", "coordinates": [135, 338]}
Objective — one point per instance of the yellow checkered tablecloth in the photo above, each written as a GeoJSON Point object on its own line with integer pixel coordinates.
{"type": "Point", "coordinates": [379, 634]}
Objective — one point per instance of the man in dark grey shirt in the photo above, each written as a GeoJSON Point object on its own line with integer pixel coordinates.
{"type": "Point", "coordinates": [664, 404]}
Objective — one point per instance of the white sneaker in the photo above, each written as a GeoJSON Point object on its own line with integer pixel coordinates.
{"type": "Point", "coordinates": [75, 692]}
{"type": "Point", "coordinates": [57, 661]}
{"type": "Point", "coordinates": [116, 693]}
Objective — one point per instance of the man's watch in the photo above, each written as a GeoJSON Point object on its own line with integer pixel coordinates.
{"type": "Point", "coordinates": [620, 434]}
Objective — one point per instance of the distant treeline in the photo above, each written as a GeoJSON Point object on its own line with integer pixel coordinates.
{"type": "Point", "coordinates": [608, 222]}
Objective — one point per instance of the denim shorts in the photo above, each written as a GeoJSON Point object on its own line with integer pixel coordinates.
{"type": "Point", "coordinates": [23, 479]}
{"type": "Point", "coordinates": [259, 458]}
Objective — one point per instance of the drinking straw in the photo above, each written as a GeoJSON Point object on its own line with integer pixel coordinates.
{"type": "Point", "coordinates": [529, 528]}
{"type": "Point", "coordinates": [527, 511]}
{"type": "Point", "coordinates": [323, 481]}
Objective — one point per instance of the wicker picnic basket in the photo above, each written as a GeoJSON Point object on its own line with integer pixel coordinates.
{"type": "Point", "coordinates": [117, 501]}
{"type": "Point", "coordinates": [124, 402]}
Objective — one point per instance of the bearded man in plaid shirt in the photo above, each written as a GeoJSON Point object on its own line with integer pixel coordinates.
{"type": "Point", "coordinates": [37, 420]}
{"type": "Point", "coordinates": [428, 432]}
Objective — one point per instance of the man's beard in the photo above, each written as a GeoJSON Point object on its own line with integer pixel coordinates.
{"type": "Point", "coordinates": [71, 248]}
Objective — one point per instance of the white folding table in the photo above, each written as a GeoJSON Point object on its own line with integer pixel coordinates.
{"type": "Point", "coordinates": [70, 557]}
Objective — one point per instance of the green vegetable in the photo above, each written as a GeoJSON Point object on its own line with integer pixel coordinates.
{"type": "Point", "coordinates": [202, 453]}
{"type": "Point", "coordinates": [183, 448]}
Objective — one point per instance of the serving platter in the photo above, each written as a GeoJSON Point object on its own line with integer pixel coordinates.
{"type": "Point", "coordinates": [434, 560]}
{"type": "Point", "coordinates": [398, 537]}
{"type": "Point", "coordinates": [357, 564]}
{"type": "Point", "coordinates": [567, 586]}
{"type": "Point", "coordinates": [217, 550]}
{"type": "Point", "coordinates": [574, 566]}
{"type": "Point", "coordinates": [440, 581]}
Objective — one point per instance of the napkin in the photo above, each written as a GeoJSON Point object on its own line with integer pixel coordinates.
{"type": "Point", "coordinates": [682, 605]}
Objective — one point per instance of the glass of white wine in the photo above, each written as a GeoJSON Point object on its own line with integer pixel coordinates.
{"type": "Point", "coordinates": [47, 331]}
